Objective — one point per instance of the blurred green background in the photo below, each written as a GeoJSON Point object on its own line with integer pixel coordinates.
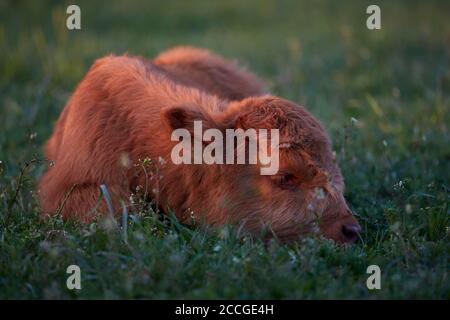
{"type": "Point", "coordinates": [384, 97]}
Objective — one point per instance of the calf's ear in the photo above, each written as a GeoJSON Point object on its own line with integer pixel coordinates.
{"type": "Point", "coordinates": [182, 117]}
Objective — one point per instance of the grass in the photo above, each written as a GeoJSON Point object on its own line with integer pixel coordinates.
{"type": "Point", "coordinates": [382, 95]}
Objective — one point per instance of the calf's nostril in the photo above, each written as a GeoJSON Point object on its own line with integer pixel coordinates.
{"type": "Point", "coordinates": [351, 232]}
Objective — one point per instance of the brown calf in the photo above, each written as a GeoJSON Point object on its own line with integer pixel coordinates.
{"type": "Point", "coordinates": [126, 108]}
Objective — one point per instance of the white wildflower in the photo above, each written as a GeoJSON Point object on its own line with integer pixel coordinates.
{"type": "Point", "coordinates": [408, 208]}
{"type": "Point", "coordinates": [319, 193]}
{"type": "Point", "coordinates": [161, 160]}
{"type": "Point", "coordinates": [125, 160]}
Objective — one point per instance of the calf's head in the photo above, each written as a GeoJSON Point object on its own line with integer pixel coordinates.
{"type": "Point", "coordinates": [304, 196]}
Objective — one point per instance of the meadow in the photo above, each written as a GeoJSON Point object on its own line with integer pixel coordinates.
{"type": "Point", "coordinates": [382, 95]}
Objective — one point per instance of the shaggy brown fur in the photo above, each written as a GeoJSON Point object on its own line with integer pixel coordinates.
{"type": "Point", "coordinates": [126, 108]}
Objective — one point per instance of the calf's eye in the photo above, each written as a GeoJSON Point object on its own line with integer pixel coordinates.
{"type": "Point", "coordinates": [285, 181]}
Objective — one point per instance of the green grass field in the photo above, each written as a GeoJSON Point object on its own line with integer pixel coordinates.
{"type": "Point", "coordinates": [384, 97]}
